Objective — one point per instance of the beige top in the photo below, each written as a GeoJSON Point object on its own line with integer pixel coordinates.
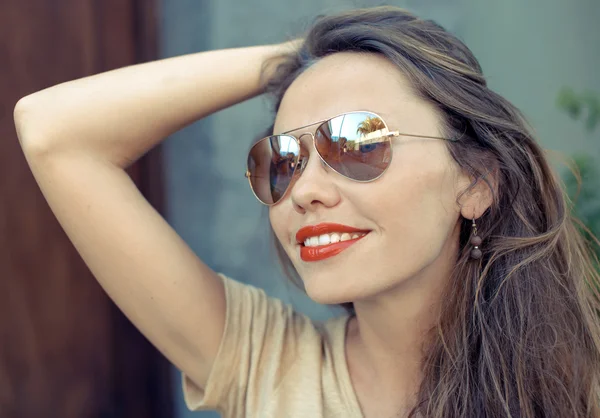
{"type": "Point", "coordinates": [274, 362]}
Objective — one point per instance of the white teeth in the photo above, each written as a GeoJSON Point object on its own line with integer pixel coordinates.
{"type": "Point", "coordinates": [324, 239]}
{"type": "Point", "coordinates": [332, 238]}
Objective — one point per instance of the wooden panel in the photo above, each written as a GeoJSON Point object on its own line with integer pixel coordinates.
{"type": "Point", "coordinates": [65, 351]}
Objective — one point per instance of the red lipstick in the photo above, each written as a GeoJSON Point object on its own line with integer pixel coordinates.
{"type": "Point", "coordinates": [322, 252]}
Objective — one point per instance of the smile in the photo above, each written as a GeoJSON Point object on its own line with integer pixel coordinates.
{"type": "Point", "coordinates": [326, 240]}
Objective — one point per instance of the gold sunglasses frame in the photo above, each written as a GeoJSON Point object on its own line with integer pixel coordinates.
{"type": "Point", "coordinates": [300, 160]}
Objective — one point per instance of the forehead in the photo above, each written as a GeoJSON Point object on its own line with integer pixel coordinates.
{"type": "Point", "coordinates": [345, 82]}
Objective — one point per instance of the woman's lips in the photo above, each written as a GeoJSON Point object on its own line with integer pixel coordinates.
{"type": "Point", "coordinates": [321, 252]}
{"type": "Point", "coordinates": [324, 228]}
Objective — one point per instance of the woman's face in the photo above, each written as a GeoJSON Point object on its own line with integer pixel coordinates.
{"type": "Point", "coordinates": [411, 212]}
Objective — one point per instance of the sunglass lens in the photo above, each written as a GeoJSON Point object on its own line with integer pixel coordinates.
{"type": "Point", "coordinates": [355, 145]}
{"type": "Point", "coordinates": [271, 165]}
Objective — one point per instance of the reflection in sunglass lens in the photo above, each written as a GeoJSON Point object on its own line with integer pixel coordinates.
{"type": "Point", "coordinates": [271, 165]}
{"type": "Point", "coordinates": [355, 145]}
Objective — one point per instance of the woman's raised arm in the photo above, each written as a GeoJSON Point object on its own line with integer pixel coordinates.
{"type": "Point", "coordinates": [79, 136]}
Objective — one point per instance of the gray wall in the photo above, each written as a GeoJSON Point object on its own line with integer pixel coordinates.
{"type": "Point", "coordinates": [528, 50]}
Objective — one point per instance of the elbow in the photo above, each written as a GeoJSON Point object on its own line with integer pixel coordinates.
{"type": "Point", "coordinates": [28, 123]}
{"type": "Point", "coordinates": [20, 115]}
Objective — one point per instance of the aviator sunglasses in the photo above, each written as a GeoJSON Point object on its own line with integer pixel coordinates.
{"type": "Point", "coordinates": [356, 145]}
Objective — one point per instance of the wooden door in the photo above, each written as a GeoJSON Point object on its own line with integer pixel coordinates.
{"type": "Point", "coordinates": [65, 350]}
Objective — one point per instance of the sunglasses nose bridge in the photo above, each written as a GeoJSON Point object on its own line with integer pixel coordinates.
{"type": "Point", "coordinates": [303, 159]}
{"type": "Point", "coordinates": [312, 136]}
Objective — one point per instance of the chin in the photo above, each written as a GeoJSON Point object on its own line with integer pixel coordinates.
{"type": "Point", "coordinates": [327, 298]}
{"type": "Point", "coordinates": [330, 291]}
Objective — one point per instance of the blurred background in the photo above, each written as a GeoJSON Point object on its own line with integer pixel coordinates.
{"type": "Point", "coordinates": [65, 350]}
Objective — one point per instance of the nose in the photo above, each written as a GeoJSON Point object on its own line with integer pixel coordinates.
{"type": "Point", "coordinates": [315, 187]}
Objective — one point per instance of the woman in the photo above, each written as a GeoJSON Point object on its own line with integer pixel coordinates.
{"type": "Point", "coordinates": [441, 227]}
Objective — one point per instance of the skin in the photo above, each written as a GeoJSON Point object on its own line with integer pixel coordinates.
{"type": "Point", "coordinates": [394, 275]}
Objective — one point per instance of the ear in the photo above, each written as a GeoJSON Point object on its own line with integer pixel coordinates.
{"type": "Point", "coordinates": [477, 194]}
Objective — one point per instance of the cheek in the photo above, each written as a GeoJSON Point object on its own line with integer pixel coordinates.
{"type": "Point", "coordinates": [415, 201]}
{"type": "Point", "coordinates": [280, 216]}
{"type": "Point", "coordinates": [420, 174]}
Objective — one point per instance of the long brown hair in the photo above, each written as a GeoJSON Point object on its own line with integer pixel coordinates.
{"type": "Point", "coordinates": [519, 334]}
